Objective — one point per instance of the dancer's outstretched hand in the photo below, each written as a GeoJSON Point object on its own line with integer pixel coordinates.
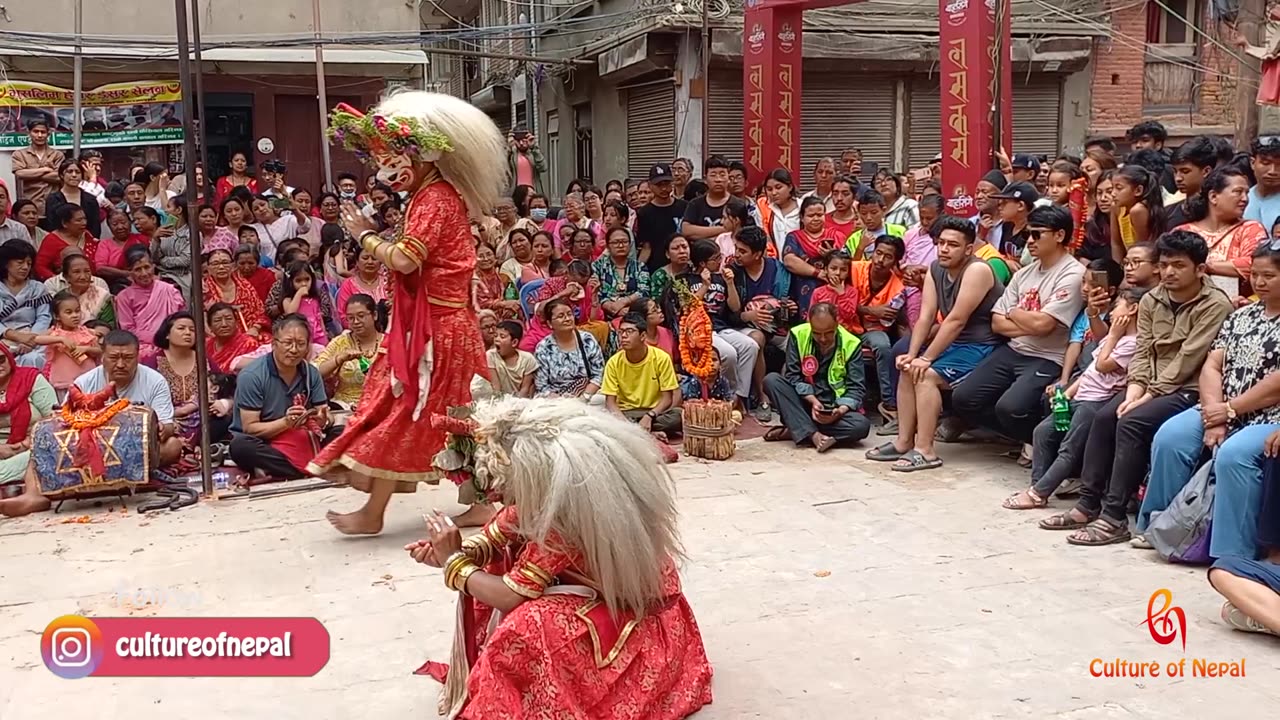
{"type": "Point", "coordinates": [445, 537]}
{"type": "Point", "coordinates": [355, 221]}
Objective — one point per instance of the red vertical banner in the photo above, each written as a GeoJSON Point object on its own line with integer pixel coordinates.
{"type": "Point", "coordinates": [967, 34]}
{"type": "Point", "coordinates": [771, 84]}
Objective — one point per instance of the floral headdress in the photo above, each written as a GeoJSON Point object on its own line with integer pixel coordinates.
{"type": "Point", "coordinates": [366, 135]}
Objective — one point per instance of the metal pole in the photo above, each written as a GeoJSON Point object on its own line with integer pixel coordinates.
{"type": "Point", "coordinates": [997, 83]}
{"type": "Point", "coordinates": [322, 98]}
{"type": "Point", "coordinates": [197, 280]}
{"type": "Point", "coordinates": [705, 69]}
{"type": "Point", "coordinates": [77, 122]}
{"type": "Point", "coordinates": [531, 74]}
{"type": "Point", "coordinates": [201, 146]}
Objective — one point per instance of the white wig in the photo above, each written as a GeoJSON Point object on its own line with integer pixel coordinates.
{"type": "Point", "coordinates": [592, 478]}
{"type": "Point", "coordinates": [477, 165]}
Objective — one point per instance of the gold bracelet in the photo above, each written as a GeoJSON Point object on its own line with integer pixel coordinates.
{"type": "Point", "coordinates": [451, 565]}
{"type": "Point", "coordinates": [370, 240]}
{"type": "Point", "coordinates": [460, 580]}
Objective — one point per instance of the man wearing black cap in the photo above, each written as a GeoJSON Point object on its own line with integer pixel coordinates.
{"type": "Point", "coordinates": [1017, 200]}
{"type": "Point", "coordinates": [1006, 392]}
{"type": "Point", "coordinates": [1024, 168]}
{"type": "Point", "coordinates": [988, 223]}
{"type": "Point", "coordinates": [660, 219]}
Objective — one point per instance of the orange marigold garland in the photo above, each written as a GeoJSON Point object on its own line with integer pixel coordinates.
{"type": "Point", "coordinates": [695, 335]}
{"type": "Point", "coordinates": [79, 414]}
{"type": "Point", "coordinates": [89, 419]}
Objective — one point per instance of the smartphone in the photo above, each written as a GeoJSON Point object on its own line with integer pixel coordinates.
{"type": "Point", "coordinates": [870, 168]}
{"type": "Point", "coordinates": [1099, 279]}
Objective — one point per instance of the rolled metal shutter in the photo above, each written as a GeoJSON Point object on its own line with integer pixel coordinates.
{"type": "Point", "coordinates": [1037, 114]}
{"type": "Point", "coordinates": [651, 127]}
{"type": "Point", "coordinates": [839, 114]}
{"type": "Point", "coordinates": [1037, 105]}
{"type": "Point", "coordinates": [924, 131]}
{"type": "Point", "coordinates": [724, 115]}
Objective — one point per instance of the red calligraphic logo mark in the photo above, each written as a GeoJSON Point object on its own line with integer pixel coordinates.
{"type": "Point", "coordinates": [1161, 624]}
{"type": "Point", "coordinates": [809, 367]}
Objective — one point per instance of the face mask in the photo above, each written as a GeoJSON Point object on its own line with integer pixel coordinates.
{"type": "Point", "coordinates": [347, 195]}
{"type": "Point", "coordinates": [538, 214]}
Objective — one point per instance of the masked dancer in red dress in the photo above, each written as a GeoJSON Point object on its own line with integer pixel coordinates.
{"type": "Point", "coordinates": [449, 157]}
{"type": "Point", "coordinates": [569, 603]}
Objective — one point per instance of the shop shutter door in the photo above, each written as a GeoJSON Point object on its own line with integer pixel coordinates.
{"type": "Point", "coordinates": [724, 116]}
{"type": "Point", "coordinates": [1037, 104]}
{"type": "Point", "coordinates": [839, 113]}
{"type": "Point", "coordinates": [1037, 112]}
{"type": "Point", "coordinates": [503, 120]}
{"type": "Point", "coordinates": [651, 127]}
{"type": "Point", "coordinates": [924, 133]}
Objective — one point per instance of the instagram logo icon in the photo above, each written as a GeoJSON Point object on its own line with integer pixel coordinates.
{"type": "Point", "coordinates": [71, 647]}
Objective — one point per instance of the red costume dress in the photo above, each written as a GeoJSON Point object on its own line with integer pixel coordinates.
{"type": "Point", "coordinates": [562, 655]}
{"type": "Point", "coordinates": [431, 351]}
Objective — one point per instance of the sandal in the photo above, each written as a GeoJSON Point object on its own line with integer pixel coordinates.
{"type": "Point", "coordinates": [1063, 521]}
{"type": "Point", "coordinates": [1100, 532]}
{"type": "Point", "coordinates": [777, 433]}
{"type": "Point", "coordinates": [1025, 500]}
{"type": "Point", "coordinates": [915, 460]}
{"type": "Point", "coordinates": [887, 452]}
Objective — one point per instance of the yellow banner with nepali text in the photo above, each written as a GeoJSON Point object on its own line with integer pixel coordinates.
{"type": "Point", "coordinates": [141, 112]}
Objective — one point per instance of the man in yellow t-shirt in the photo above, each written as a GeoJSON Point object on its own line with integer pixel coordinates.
{"type": "Point", "coordinates": [640, 382]}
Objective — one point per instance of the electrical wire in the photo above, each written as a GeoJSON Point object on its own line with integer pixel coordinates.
{"type": "Point", "coordinates": [1208, 37]}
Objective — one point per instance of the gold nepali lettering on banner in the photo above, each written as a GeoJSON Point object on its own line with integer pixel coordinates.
{"type": "Point", "coordinates": [957, 117]}
{"type": "Point", "coordinates": [786, 106]}
{"type": "Point", "coordinates": [755, 115]}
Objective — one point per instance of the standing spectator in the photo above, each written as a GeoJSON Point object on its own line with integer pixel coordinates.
{"type": "Point", "coordinates": [640, 381]}
{"type": "Point", "coordinates": [1151, 135]}
{"type": "Point", "coordinates": [902, 209]}
{"type": "Point", "coordinates": [843, 220]}
{"type": "Point", "coordinates": [738, 188]}
{"type": "Point", "coordinates": [1264, 198]}
{"type": "Point", "coordinates": [154, 179]}
{"type": "Point", "coordinates": [36, 166]}
{"type": "Point", "coordinates": [702, 216]}
{"type": "Point", "coordinates": [280, 406]}
{"type": "Point", "coordinates": [1177, 323]}
{"type": "Point", "coordinates": [1137, 211]}
{"type": "Point", "coordinates": [238, 177]}
{"type": "Point", "coordinates": [657, 221]}
{"type": "Point", "coordinates": [92, 180]}
{"type": "Point", "coordinates": [69, 172]}
{"type": "Point", "coordinates": [780, 211]}
{"type": "Point", "coordinates": [1239, 409]}
{"type": "Point", "coordinates": [824, 174]}
{"type": "Point", "coordinates": [172, 252]}
{"type": "Point", "coordinates": [962, 290]}
{"type": "Point", "coordinates": [272, 229]}
{"type": "Point", "coordinates": [524, 159]}
{"type": "Point", "coordinates": [851, 162]}
{"type": "Point", "coordinates": [820, 391]}
{"type": "Point", "coordinates": [681, 176]}
{"type": "Point", "coordinates": [1036, 311]}
{"type": "Point", "coordinates": [1192, 162]}
{"type": "Point", "coordinates": [871, 212]}
{"type": "Point", "coordinates": [1024, 168]}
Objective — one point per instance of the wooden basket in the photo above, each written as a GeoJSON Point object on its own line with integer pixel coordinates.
{"type": "Point", "coordinates": [708, 429]}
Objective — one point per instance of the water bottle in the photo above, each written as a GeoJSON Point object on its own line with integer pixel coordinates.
{"type": "Point", "coordinates": [896, 305]}
{"type": "Point", "coordinates": [1061, 410]}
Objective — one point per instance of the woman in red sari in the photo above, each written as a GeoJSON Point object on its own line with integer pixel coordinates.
{"type": "Point", "coordinates": [449, 156]}
{"type": "Point", "coordinates": [494, 289]}
{"type": "Point", "coordinates": [239, 175]}
{"type": "Point", "coordinates": [227, 338]}
{"type": "Point", "coordinates": [569, 601]}
{"type": "Point", "coordinates": [222, 284]}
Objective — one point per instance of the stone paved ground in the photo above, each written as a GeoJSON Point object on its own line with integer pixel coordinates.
{"type": "Point", "coordinates": [937, 604]}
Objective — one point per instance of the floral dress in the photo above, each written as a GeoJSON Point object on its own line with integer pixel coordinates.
{"type": "Point", "coordinates": [1250, 342]}
{"type": "Point", "coordinates": [183, 389]}
{"type": "Point", "coordinates": [615, 283]}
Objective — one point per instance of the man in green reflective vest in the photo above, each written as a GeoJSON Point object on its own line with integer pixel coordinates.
{"type": "Point", "coordinates": [819, 393]}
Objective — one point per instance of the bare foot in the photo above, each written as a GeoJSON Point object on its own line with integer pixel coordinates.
{"type": "Point", "coordinates": [475, 516]}
{"type": "Point", "coordinates": [355, 523]}
{"type": "Point", "coordinates": [822, 442]}
{"type": "Point", "coordinates": [24, 504]}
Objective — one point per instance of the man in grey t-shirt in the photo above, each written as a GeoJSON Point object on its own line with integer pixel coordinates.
{"type": "Point", "coordinates": [1006, 392]}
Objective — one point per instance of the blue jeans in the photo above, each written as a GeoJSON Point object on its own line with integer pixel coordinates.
{"type": "Point", "coordinates": [882, 346]}
{"type": "Point", "coordinates": [1175, 456]}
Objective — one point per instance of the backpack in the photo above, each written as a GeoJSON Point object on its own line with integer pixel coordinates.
{"type": "Point", "coordinates": [1180, 532]}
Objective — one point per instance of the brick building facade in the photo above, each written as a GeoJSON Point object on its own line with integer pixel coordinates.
{"type": "Point", "coordinates": [1154, 66]}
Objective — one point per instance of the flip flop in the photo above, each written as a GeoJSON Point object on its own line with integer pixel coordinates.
{"type": "Point", "coordinates": [916, 461]}
{"type": "Point", "coordinates": [885, 453]}
{"type": "Point", "coordinates": [777, 433]}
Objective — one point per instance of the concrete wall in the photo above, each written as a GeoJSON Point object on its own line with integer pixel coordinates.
{"type": "Point", "coordinates": [134, 18]}
{"type": "Point", "coordinates": [1077, 107]}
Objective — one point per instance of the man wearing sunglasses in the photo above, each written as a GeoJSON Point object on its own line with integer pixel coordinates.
{"type": "Point", "coordinates": [1005, 392]}
{"type": "Point", "coordinates": [1264, 198]}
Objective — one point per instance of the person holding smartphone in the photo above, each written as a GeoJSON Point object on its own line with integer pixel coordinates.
{"type": "Point", "coordinates": [820, 391]}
